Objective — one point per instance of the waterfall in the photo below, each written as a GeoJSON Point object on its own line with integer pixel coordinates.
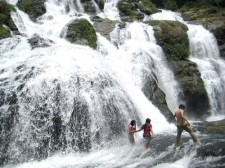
{"type": "Point", "coordinates": [67, 97]}
{"type": "Point", "coordinates": [204, 52]}
{"type": "Point", "coordinates": [110, 10]}
{"type": "Point", "coordinates": [67, 105]}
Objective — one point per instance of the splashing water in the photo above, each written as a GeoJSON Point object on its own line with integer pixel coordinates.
{"type": "Point", "coordinates": [57, 90]}
{"type": "Point", "coordinates": [204, 52]}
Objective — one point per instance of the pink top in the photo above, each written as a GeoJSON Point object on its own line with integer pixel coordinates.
{"type": "Point", "coordinates": [131, 128]}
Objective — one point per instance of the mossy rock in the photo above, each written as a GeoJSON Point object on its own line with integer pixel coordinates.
{"type": "Point", "coordinates": [220, 34]}
{"type": "Point", "coordinates": [172, 37]}
{"type": "Point", "coordinates": [216, 127]}
{"type": "Point", "coordinates": [193, 90]}
{"type": "Point", "coordinates": [128, 9]}
{"type": "Point", "coordinates": [34, 8]}
{"type": "Point", "coordinates": [5, 19]}
{"type": "Point", "coordinates": [101, 4]}
{"type": "Point", "coordinates": [147, 7]}
{"type": "Point", "coordinates": [4, 33]}
{"type": "Point", "coordinates": [104, 26]}
{"type": "Point", "coordinates": [80, 31]}
{"type": "Point", "coordinates": [209, 15]}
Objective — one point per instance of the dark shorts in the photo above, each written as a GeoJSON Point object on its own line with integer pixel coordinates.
{"type": "Point", "coordinates": [147, 139]}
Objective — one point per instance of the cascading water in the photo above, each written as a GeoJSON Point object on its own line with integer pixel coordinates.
{"type": "Point", "coordinates": [66, 97]}
{"type": "Point", "coordinates": [71, 104]}
{"type": "Point", "coordinates": [204, 52]}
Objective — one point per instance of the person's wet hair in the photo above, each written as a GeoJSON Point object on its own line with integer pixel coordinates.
{"type": "Point", "coordinates": [132, 122]}
{"type": "Point", "coordinates": [148, 120]}
{"type": "Point", "coordinates": [181, 106]}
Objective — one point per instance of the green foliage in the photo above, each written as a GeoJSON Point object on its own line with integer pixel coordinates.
{"type": "Point", "coordinates": [5, 18]}
{"type": "Point", "coordinates": [170, 4]}
{"type": "Point", "coordinates": [147, 7]}
{"type": "Point", "coordinates": [4, 33]}
{"type": "Point", "coordinates": [172, 37]}
{"type": "Point", "coordinates": [5, 10]}
{"type": "Point", "coordinates": [34, 8]}
{"type": "Point", "coordinates": [25, 5]}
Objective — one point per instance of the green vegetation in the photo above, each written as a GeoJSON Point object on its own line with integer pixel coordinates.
{"type": "Point", "coordinates": [4, 33]}
{"type": "Point", "coordinates": [25, 5]}
{"type": "Point", "coordinates": [82, 31]}
{"type": "Point", "coordinates": [101, 4]}
{"type": "Point", "coordinates": [172, 37]}
{"type": "Point", "coordinates": [147, 7]}
{"type": "Point", "coordinates": [34, 8]}
{"type": "Point", "coordinates": [5, 18]}
{"type": "Point", "coordinates": [220, 34]}
{"type": "Point", "coordinates": [209, 15]}
{"type": "Point", "coordinates": [127, 9]}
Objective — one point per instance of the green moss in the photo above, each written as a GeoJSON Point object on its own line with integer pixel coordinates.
{"type": "Point", "coordinates": [5, 18]}
{"type": "Point", "coordinates": [101, 4]}
{"type": "Point", "coordinates": [216, 129]}
{"type": "Point", "coordinates": [170, 4]}
{"type": "Point", "coordinates": [147, 7]}
{"type": "Point", "coordinates": [125, 8]}
{"type": "Point", "coordinates": [220, 34]}
{"type": "Point", "coordinates": [5, 10]}
{"type": "Point", "coordinates": [4, 33]}
{"type": "Point", "coordinates": [25, 5]}
{"type": "Point", "coordinates": [34, 8]}
{"type": "Point", "coordinates": [83, 31]}
{"type": "Point", "coordinates": [172, 37]}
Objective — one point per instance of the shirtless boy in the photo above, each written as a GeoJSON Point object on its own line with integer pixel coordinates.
{"type": "Point", "coordinates": [183, 124]}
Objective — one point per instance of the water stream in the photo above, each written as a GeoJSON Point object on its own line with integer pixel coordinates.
{"type": "Point", "coordinates": [71, 104]}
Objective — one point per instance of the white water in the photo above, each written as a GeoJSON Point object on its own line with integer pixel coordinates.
{"type": "Point", "coordinates": [124, 66]}
{"type": "Point", "coordinates": [204, 52]}
{"type": "Point", "coordinates": [81, 72]}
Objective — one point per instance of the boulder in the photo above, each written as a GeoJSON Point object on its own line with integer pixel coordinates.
{"type": "Point", "coordinates": [36, 41]}
{"type": "Point", "coordinates": [194, 92]}
{"type": "Point", "coordinates": [158, 98]}
{"type": "Point", "coordinates": [34, 8]}
{"type": "Point", "coordinates": [80, 31]}
{"type": "Point", "coordinates": [135, 10]}
{"type": "Point", "coordinates": [104, 26]}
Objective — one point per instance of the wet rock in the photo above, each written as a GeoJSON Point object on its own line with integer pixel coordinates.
{"type": "Point", "coordinates": [34, 8]}
{"type": "Point", "coordinates": [36, 42]}
{"type": "Point", "coordinates": [2, 97]}
{"type": "Point", "coordinates": [194, 92]}
{"type": "Point", "coordinates": [80, 31]}
{"type": "Point", "coordinates": [104, 27]}
{"type": "Point", "coordinates": [158, 98]}
{"type": "Point", "coordinates": [217, 127]}
{"type": "Point", "coordinates": [11, 98]}
{"type": "Point", "coordinates": [212, 149]}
